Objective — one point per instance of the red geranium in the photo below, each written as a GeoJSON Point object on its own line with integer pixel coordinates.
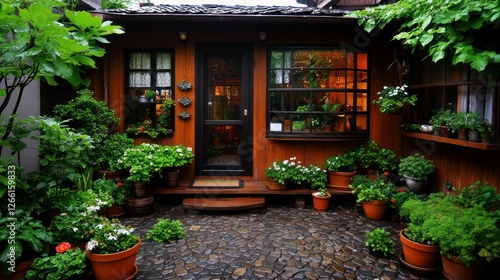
{"type": "Point", "coordinates": [63, 247]}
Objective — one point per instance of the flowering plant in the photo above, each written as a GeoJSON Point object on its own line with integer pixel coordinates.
{"type": "Point", "coordinates": [110, 236]}
{"type": "Point", "coordinates": [115, 188]}
{"type": "Point", "coordinates": [315, 176]}
{"type": "Point", "coordinates": [63, 247]}
{"type": "Point", "coordinates": [178, 156]}
{"type": "Point", "coordinates": [282, 170]}
{"type": "Point", "coordinates": [344, 162]}
{"type": "Point", "coordinates": [391, 99]}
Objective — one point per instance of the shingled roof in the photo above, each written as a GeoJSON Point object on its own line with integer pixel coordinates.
{"type": "Point", "coordinates": [213, 9]}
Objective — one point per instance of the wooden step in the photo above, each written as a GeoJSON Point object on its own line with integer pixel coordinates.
{"type": "Point", "coordinates": [223, 203]}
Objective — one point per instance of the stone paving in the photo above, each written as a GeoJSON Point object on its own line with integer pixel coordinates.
{"type": "Point", "coordinates": [275, 242]}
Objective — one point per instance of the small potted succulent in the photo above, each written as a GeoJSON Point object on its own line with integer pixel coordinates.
{"type": "Point", "coordinates": [416, 169]}
{"type": "Point", "coordinates": [379, 242]}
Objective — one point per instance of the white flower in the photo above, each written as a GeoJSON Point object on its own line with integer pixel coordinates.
{"type": "Point", "coordinates": [179, 150]}
{"type": "Point", "coordinates": [123, 231]}
{"type": "Point", "coordinates": [190, 149]}
{"type": "Point", "coordinates": [99, 226]}
{"type": "Point", "coordinates": [285, 162]}
{"type": "Point", "coordinates": [75, 229]}
{"type": "Point", "coordinates": [112, 237]}
{"type": "Point", "coordinates": [91, 244]}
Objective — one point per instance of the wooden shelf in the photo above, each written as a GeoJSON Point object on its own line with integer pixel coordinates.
{"type": "Point", "coordinates": [452, 141]}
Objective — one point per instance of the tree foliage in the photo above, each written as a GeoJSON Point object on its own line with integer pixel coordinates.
{"type": "Point", "coordinates": [442, 27]}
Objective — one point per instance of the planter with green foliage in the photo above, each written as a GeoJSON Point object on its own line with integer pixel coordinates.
{"type": "Point", "coordinates": [341, 168]}
{"type": "Point", "coordinates": [379, 242]}
{"type": "Point", "coordinates": [416, 169]}
{"type": "Point", "coordinates": [374, 195]}
{"type": "Point", "coordinates": [166, 230]}
{"type": "Point", "coordinates": [69, 264]}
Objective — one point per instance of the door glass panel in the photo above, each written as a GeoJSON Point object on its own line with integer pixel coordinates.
{"type": "Point", "coordinates": [224, 145]}
{"type": "Point", "coordinates": [224, 102]}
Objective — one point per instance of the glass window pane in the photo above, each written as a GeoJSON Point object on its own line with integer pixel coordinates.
{"type": "Point", "coordinates": [163, 79]}
{"type": "Point", "coordinates": [140, 79]}
{"type": "Point", "coordinates": [224, 145]}
{"type": "Point", "coordinates": [163, 61]}
{"type": "Point", "coordinates": [363, 61]}
{"type": "Point", "coordinates": [140, 60]}
{"type": "Point", "coordinates": [350, 79]}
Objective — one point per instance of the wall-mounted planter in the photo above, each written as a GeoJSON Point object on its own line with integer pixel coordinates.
{"type": "Point", "coordinates": [185, 101]}
{"type": "Point", "coordinates": [184, 115]}
{"type": "Point", "coordinates": [184, 85]}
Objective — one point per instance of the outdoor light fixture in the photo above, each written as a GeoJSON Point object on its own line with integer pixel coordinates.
{"type": "Point", "coordinates": [262, 36]}
{"type": "Point", "coordinates": [183, 35]}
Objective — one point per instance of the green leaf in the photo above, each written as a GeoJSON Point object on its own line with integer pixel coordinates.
{"type": "Point", "coordinates": [426, 39]}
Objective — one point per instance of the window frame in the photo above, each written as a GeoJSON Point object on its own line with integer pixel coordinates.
{"type": "Point", "coordinates": [311, 133]}
{"type": "Point", "coordinates": [131, 105]}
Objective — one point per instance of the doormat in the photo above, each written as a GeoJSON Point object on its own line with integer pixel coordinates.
{"type": "Point", "coordinates": [216, 184]}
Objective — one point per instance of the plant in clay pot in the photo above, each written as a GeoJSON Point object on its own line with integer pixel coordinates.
{"type": "Point", "coordinates": [374, 194]}
{"type": "Point", "coordinates": [379, 242]}
{"type": "Point", "coordinates": [281, 171]}
{"type": "Point", "coordinates": [375, 158]}
{"type": "Point", "coordinates": [391, 99]}
{"type": "Point", "coordinates": [416, 169]}
{"type": "Point", "coordinates": [341, 168]}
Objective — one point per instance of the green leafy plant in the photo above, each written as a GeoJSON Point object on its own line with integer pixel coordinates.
{"type": "Point", "coordinates": [416, 167]}
{"type": "Point", "coordinates": [30, 235]}
{"type": "Point", "coordinates": [150, 94]}
{"type": "Point", "coordinates": [373, 157]}
{"type": "Point", "coordinates": [113, 189]}
{"type": "Point", "coordinates": [66, 265]}
{"type": "Point", "coordinates": [87, 115]}
{"type": "Point", "coordinates": [366, 189]}
{"type": "Point", "coordinates": [401, 196]}
{"type": "Point", "coordinates": [110, 236]}
{"type": "Point", "coordinates": [391, 99]}
{"type": "Point", "coordinates": [479, 194]}
{"type": "Point", "coordinates": [380, 242]}
{"type": "Point", "coordinates": [110, 150]}
{"type": "Point", "coordinates": [75, 224]}
{"type": "Point", "coordinates": [145, 160]}
{"type": "Point", "coordinates": [315, 177]}
{"type": "Point", "coordinates": [166, 230]}
{"type": "Point", "coordinates": [442, 28]}
{"type": "Point", "coordinates": [343, 162]}
{"type": "Point", "coordinates": [282, 171]}
{"type": "Point", "coordinates": [441, 118]}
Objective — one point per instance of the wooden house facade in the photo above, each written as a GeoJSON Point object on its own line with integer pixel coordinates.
{"type": "Point", "coordinates": [252, 85]}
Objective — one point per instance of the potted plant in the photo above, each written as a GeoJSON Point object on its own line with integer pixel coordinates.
{"type": "Point", "coordinates": [317, 178]}
{"type": "Point", "coordinates": [112, 250]}
{"type": "Point", "coordinates": [321, 199]}
{"type": "Point", "coordinates": [280, 172]}
{"type": "Point", "coordinates": [457, 123]}
{"type": "Point", "coordinates": [67, 263]}
{"type": "Point", "coordinates": [374, 195]}
{"type": "Point", "coordinates": [148, 97]}
{"type": "Point", "coordinates": [110, 150]}
{"type": "Point", "coordinates": [341, 168]}
{"type": "Point", "coordinates": [166, 230]}
{"type": "Point", "coordinates": [391, 99]}
{"type": "Point", "coordinates": [485, 131]}
{"type": "Point", "coordinates": [416, 169]}
{"type": "Point", "coordinates": [117, 190]}
{"type": "Point", "coordinates": [473, 125]}
{"type": "Point", "coordinates": [328, 118]}
{"type": "Point", "coordinates": [173, 158]}
{"type": "Point", "coordinates": [440, 121]}
{"type": "Point", "coordinates": [375, 159]}
{"type": "Point", "coordinates": [379, 242]}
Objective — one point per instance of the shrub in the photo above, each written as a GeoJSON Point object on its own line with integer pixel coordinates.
{"type": "Point", "coordinates": [379, 242]}
{"type": "Point", "coordinates": [166, 230]}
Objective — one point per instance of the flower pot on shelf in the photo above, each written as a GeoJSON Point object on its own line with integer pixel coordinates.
{"type": "Point", "coordinates": [474, 136]}
{"type": "Point", "coordinates": [485, 136]}
{"type": "Point", "coordinates": [462, 134]}
{"type": "Point", "coordinates": [274, 185]}
{"type": "Point", "coordinates": [171, 177]}
{"type": "Point", "coordinates": [120, 265]}
{"type": "Point", "coordinates": [340, 179]}
{"type": "Point", "coordinates": [416, 186]}
{"type": "Point", "coordinates": [444, 132]}
{"type": "Point", "coordinates": [420, 255]}
{"type": "Point", "coordinates": [109, 175]}
{"type": "Point", "coordinates": [321, 203]}
{"type": "Point", "coordinates": [375, 209]}
{"type": "Point", "coordinates": [454, 268]}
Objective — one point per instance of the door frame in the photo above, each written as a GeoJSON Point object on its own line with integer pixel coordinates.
{"type": "Point", "coordinates": [246, 141]}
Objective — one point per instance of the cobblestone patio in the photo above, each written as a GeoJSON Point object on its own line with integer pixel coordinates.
{"type": "Point", "coordinates": [275, 242]}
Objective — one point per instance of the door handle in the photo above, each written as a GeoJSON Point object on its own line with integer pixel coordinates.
{"type": "Point", "coordinates": [245, 112]}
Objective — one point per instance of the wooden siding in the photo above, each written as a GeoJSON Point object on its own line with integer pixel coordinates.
{"type": "Point", "coordinates": [462, 166]}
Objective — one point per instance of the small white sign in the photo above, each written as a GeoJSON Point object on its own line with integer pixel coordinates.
{"type": "Point", "coordinates": [276, 127]}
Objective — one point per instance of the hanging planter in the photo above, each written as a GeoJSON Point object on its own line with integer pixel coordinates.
{"type": "Point", "coordinates": [185, 85]}
{"type": "Point", "coordinates": [184, 115]}
{"type": "Point", "coordinates": [185, 101]}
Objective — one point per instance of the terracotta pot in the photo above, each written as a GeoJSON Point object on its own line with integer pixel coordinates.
{"type": "Point", "coordinates": [371, 173]}
{"type": "Point", "coordinates": [416, 186]}
{"type": "Point", "coordinates": [375, 209]}
{"type": "Point", "coordinates": [171, 177]}
{"type": "Point", "coordinates": [115, 265]}
{"type": "Point", "coordinates": [275, 186]}
{"type": "Point", "coordinates": [20, 270]}
{"type": "Point", "coordinates": [340, 179]}
{"type": "Point", "coordinates": [445, 132]}
{"type": "Point", "coordinates": [109, 175]}
{"type": "Point", "coordinates": [420, 255]}
{"type": "Point", "coordinates": [462, 134]}
{"type": "Point", "coordinates": [139, 189]}
{"type": "Point", "coordinates": [115, 211]}
{"type": "Point", "coordinates": [321, 203]}
{"type": "Point", "coordinates": [455, 269]}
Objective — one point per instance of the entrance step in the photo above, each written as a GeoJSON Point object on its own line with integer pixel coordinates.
{"type": "Point", "coordinates": [223, 203]}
